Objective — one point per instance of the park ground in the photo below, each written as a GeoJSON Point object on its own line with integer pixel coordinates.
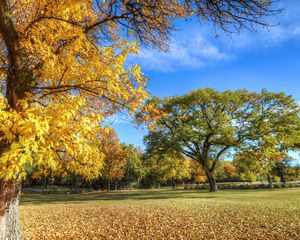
{"type": "Point", "coordinates": [163, 214]}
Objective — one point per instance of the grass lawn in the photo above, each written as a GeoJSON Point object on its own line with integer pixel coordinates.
{"type": "Point", "coordinates": [163, 214]}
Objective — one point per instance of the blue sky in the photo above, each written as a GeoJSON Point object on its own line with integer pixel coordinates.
{"type": "Point", "coordinates": [266, 58]}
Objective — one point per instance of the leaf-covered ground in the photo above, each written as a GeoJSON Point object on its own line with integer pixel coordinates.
{"type": "Point", "coordinates": [163, 214]}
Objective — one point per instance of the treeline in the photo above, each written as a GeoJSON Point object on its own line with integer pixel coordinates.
{"type": "Point", "coordinates": [128, 167]}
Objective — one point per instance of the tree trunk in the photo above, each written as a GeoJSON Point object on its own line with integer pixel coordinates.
{"type": "Point", "coordinates": [19, 82]}
{"type": "Point", "coordinates": [108, 185]}
{"type": "Point", "coordinates": [280, 173]}
{"type": "Point", "coordinates": [270, 180]}
{"type": "Point", "coordinates": [9, 210]}
{"type": "Point", "coordinates": [47, 181]}
{"type": "Point", "coordinates": [173, 183]}
{"type": "Point", "coordinates": [115, 183]}
{"type": "Point", "coordinates": [211, 180]}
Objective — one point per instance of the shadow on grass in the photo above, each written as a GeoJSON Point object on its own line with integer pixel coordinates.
{"type": "Point", "coordinates": [37, 198]}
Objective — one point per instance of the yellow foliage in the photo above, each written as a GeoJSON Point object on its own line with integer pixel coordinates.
{"type": "Point", "coordinates": [52, 139]}
{"type": "Point", "coordinates": [56, 128]}
{"type": "Point", "coordinates": [229, 169]}
{"type": "Point", "coordinates": [115, 156]}
{"type": "Point", "coordinates": [198, 172]}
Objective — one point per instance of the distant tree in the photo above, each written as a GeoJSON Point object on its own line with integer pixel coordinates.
{"type": "Point", "coordinates": [202, 125]}
{"type": "Point", "coordinates": [276, 129]}
{"type": "Point", "coordinates": [229, 169]}
{"type": "Point", "coordinates": [293, 172]}
{"type": "Point", "coordinates": [205, 124]}
{"type": "Point", "coordinates": [134, 169]}
{"type": "Point", "coordinates": [258, 163]}
{"type": "Point", "coordinates": [281, 168]}
{"type": "Point", "coordinates": [115, 158]}
{"type": "Point", "coordinates": [197, 172]}
{"type": "Point", "coordinates": [169, 166]}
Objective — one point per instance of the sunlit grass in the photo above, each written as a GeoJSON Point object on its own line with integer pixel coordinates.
{"type": "Point", "coordinates": [163, 214]}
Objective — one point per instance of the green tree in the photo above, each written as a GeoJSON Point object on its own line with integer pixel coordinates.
{"type": "Point", "coordinates": [168, 167]}
{"type": "Point", "coordinates": [281, 167]}
{"type": "Point", "coordinates": [134, 169]}
{"type": "Point", "coordinates": [205, 124]}
{"type": "Point", "coordinates": [276, 129]}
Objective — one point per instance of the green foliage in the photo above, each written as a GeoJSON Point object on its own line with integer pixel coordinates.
{"type": "Point", "coordinates": [275, 130]}
{"type": "Point", "coordinates": [134, 170]}
{"type": "Point", "coordinates": [166, 167]}
{"type": "Point", "coordinates": [205, 124]}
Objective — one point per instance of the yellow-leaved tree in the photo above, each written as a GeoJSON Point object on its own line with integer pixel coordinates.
{"type": "Point", "coordinates": [58, 83]}
{"type": "Point", "coordinates": [115, 159]}
{"type": "Point", "coordinates": [63, 70]}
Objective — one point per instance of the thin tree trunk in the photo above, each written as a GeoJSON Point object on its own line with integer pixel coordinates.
{"type": "Point", "coordinates": [211, 180]}
{"type": "Point", "coordinates": [9, 210]}
{"type": "Point", "coordinates": [108, 185]}
{"type": "Point", "coordinates": [270, 180]}
{"type": "Point", "coordinates": [173, 183]}
{"type": "Point", "coordinates": [46, 181]}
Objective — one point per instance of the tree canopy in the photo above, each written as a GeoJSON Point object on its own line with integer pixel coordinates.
{"type": "Point", "coordinates": [205, 124]}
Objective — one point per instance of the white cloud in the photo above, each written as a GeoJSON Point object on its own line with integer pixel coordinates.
{"type": "Point", "coordinates": [296, 31]}
{"type": "Point", "coordinates": [263, 38]}
{"type": "Point", "coordinates": [286, 27]}
{"type": "Point", "coordinates": [189, 50]}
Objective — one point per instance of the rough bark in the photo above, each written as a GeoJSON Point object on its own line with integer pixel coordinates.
{"type": "Point", "coordinates": [9, 210]}
{"type": "Point", "coordinates": [211, 180]}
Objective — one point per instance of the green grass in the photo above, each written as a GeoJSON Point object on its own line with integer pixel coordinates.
{"type": "Point", "coordinates": [163, 214]}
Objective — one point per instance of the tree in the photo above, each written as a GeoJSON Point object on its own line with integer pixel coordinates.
{"type": "Point", "coordinates": [275, 131]}
{"type": "Point", "coordinates": [202, 125]}
{"type": "Point", "coordinates": [62, 71]}
{"type": "Point", "coordinates": [115, 158]}
{"type": "Point", "coordinates": [254, 163]}
{"type": "Point", "coordinates": [229, 169]}
{"type": "Point", "coordinates": [167, 167]}
{"type": "Point", "coordinates": [197, 172]}
{"type": "Point", "coordinates": [134, 169]}
{"type": "Point", "coordinates": [59, 84]}
{"type": "Point", "coordinates": [281, 167]}
{"type": "Point", "coordinates": [205, 124]}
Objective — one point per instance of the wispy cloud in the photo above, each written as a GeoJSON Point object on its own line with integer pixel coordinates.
{"type": "Point", "coordinates": [286, 27]}
{"type": "Point", "coordinates": [188, 50]}
{"type": "Point", "coordinates": [263, 38]}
